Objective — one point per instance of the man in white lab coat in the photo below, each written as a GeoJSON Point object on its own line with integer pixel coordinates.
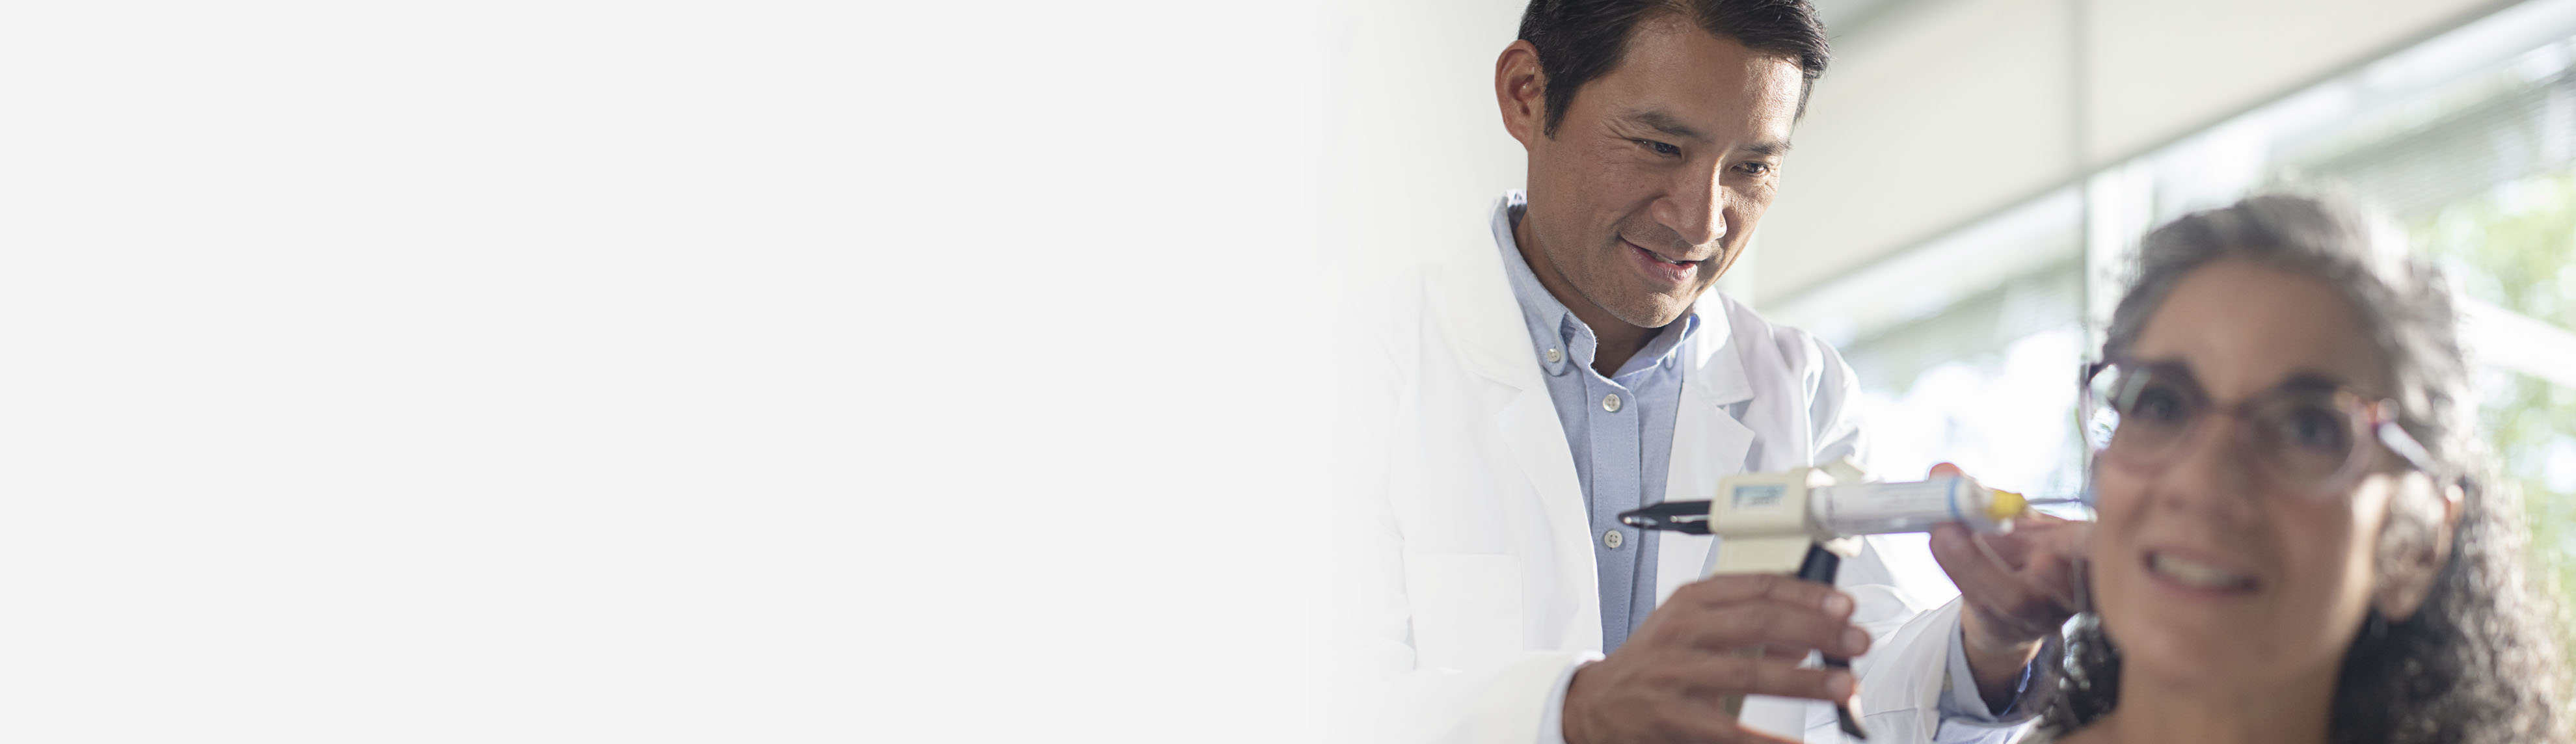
{"type": "Point", "coordinates": [1569, 362]}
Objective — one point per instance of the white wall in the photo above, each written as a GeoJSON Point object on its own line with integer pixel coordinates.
{"type": "Point", "coordinates": [1936, 113]}
{"type": "Point", "coordinates": [1416, 142]}
{"type": "Point", "coordinates": [1930, 118]}
{"type": "Point", "coordinates": [1943, 112]}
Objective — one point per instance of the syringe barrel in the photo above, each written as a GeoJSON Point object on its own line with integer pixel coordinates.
{"type": "Point", "coordinates": [1881, 508]}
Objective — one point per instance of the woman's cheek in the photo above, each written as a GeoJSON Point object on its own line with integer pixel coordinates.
{"type": "Point", "coordinates": [2114, 528]}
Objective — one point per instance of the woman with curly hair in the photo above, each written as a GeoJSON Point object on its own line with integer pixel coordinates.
{"type": "Point", "coordinates": [2291, 540]}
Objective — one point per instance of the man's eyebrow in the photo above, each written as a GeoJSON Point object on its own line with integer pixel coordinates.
{"type": "Point", "coordinates": [1672, 126]}
{"type": "Point", "coordinates": [1667, 124]}
{"type": "Point", "coordinates": [1768, 148]}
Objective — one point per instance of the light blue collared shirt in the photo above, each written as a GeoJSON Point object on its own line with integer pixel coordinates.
{"type": "Point", "coordinates": [1620, 428]}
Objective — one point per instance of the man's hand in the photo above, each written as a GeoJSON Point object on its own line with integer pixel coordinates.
{"type": "Point", "coordinates": [2011, 605]}
{"type": "Point", "coordinates": [1726, 635]}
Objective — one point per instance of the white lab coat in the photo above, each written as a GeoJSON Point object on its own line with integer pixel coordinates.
{"type": "Point", "coordinates": [1468, 554]}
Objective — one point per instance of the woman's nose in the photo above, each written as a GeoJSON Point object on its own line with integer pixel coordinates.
{"type": "Point", "coordinates": [2214, 472]}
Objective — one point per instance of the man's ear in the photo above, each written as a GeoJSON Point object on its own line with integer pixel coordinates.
{"type": "Point", "coordinates": [1521, 88]}
{"type": "Point", "coordinates": [2411, 557]}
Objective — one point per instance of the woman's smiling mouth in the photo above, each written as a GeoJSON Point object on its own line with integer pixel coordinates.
{"type": "Point", "coordinates": [2196, 575]}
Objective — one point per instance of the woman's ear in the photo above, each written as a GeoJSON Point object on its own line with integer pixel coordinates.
{"type": "Point", "coordinates": [2414, 543]}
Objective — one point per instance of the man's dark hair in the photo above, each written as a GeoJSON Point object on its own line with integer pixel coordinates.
{"type": "Point", "coordinates": [1579, 40]}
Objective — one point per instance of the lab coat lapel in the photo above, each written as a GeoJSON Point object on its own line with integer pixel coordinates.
{"type": "Point", "coordinates": [1537, 440]}
{"type": "Point", "coordinates": [1477, 308]}
{"type": "Point", "coordinates": [1708, 443]}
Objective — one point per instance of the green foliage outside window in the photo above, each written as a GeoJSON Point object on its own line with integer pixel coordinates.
{"type": "Point", "coordinates": [2515, 248]}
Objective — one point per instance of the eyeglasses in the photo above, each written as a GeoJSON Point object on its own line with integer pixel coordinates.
{"type": "Point", "coordinates": [2307, 436]}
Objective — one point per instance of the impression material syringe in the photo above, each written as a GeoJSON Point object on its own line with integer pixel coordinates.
{"type": "Point", "coordinates": [1805, 521]}
{"type": "Point", "coordinates": [1839, 510]}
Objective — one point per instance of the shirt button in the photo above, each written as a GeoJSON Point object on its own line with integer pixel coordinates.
{"type": "Point", "coordinates": [1554, 356]}
{"type": "Point", "coordinates": [1610, 402]}
{"type": "Point", "coordinates": [1612, 539]}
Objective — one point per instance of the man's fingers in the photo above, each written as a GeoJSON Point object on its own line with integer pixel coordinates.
{"type": "Point", "coordinates": [1717, 728]}
{"type": "Point", "coordinates": [2037, 531]}
{"type": "Point", "coordinates": [1956, 548]}
{"type": "Point", "coordinates": [2017, 548]}
{"type": "Point", "coordinates": [1791, 654]}
{"type": "Point", "coordinates": [1741, 675]}
{"type": "Point", "coordinates": [2011, 602]}
{"type": "Point", "coordinates": [2043, 554]}
{"type": "Point", "coordinates": [1959, 559]}
{"type": "Point", "coordinates": [1719, 591]}
{"type": "Point", "coordinates": [2041, 519]}
{"type": "Point", "coordinates": [1773, 625]}
{"type": "Point", "coordinates": [2061, 537]}
{"type": "Point", "coordinates": [1976, 575]}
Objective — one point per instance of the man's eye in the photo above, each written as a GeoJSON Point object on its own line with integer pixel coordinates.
{"type": "Point", "coordinates": [1660, 148]}
{"type": "Point", "coordinates": [1755, 169]}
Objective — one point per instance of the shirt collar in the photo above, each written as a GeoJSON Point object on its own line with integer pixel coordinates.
{"type": "Point", "coordinates": [1561, 340]}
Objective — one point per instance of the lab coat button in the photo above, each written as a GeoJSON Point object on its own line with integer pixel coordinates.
{"type": "Point", "coordinates": [1612, 539]}
{"type": "Point", "coordinates": [1610, 402]}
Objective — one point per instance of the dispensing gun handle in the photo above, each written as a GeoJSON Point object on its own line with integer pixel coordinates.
{"type": "Point", "coordinates": [1821, 566]}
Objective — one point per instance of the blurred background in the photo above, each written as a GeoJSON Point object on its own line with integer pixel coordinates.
{"type": "Point", "coordinates": [803, 371]}
{"type": "Point", "coordinates": [1970, 173]}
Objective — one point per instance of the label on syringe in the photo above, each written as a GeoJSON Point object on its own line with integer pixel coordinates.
{"type": "Point", "coordinates": [1880, 508]}
{"type": "Point", "coordinates": [1753, 496]}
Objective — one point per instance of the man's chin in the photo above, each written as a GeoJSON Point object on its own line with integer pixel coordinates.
{"type": "Point", "coordinates": [1654, 315]}
{"type": "Point", "coordinates": [1642, 306]}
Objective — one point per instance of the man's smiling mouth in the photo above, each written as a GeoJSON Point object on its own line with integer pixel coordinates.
{"type": "Point", "coordinates": [1657, 256]}
{"type": "Point", "coordinates": [1657, 269]}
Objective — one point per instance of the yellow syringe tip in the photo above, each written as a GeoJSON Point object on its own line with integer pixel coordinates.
{"type": "Point", "coordinates": [2006, 505]}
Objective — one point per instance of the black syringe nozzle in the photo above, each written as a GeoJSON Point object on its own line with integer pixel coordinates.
{"type": "Point", "coordinates": [1690, 517]}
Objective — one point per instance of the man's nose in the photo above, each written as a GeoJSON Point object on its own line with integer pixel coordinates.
{"type": "Point", "coordinates": [1695, 206]}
